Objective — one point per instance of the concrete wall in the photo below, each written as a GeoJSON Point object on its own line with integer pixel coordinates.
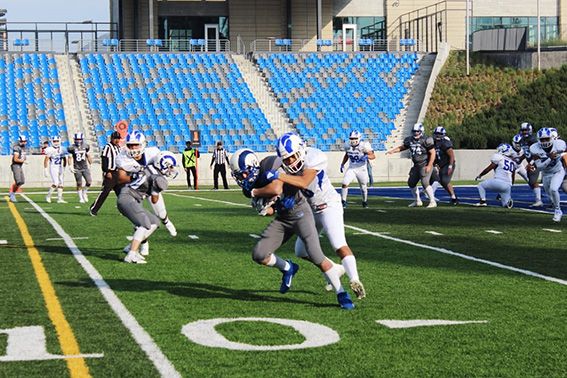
{"type": "Point", "coordinates": [527, 60]}
{"type": "Point", "coordinates": [387, 168]}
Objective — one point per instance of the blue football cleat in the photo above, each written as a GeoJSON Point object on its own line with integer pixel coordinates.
{"type": "Point", "coordinates": [344, 301]}
{"type": "Point", "coordinates": [287, 277]}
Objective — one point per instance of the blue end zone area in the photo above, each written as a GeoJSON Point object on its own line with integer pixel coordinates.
{"type": "Point", "coordinates": [522, 195]}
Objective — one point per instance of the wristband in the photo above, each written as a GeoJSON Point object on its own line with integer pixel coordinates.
{"type": "Point", "coordinates": [450, 166]}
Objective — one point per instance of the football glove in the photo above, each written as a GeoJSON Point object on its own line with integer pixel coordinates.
{"type": "Point", "coordinates": [261, 204]}
{"type": "Point", "coordinates": [45, 172]}
{"type": "Point", "coordinates": [342, 168]}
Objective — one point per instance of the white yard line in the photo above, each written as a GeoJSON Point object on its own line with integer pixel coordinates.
{"type": "Point", "coordinates": [154, 353]}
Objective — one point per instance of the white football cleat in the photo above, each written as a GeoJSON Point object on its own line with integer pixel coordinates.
{"type": "Point", "coordinates": [341, 271]}
{"type": "Point", "coordinates": [81, 200]}
{"type": "Point", "coordinates": [61, 200]}
{"type": "Point", "coordinates": [13, 197]}
{"type": "Point", "coordinates": [432, 204]}
{"type": "Point", "coordinates": [145, 249]}
{"type": "Point", "coordinates": [48, 199]}
{"type": "Point", "coordinates": [358, 289]}
{"type": "Point", "coordinates": [417, 203]}
{"type": "Point", "coordinates": [558, 215]}
{"type": "Point", "coordinates": [170, 227]}
{"type": "Point", "coordinates": [134, 257]}
{"type": "Point", "coordinates": [537, 203]}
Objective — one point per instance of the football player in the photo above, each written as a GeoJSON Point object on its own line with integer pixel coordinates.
{"type": "Point", "coordinates": [148, 183]}
{"type": "Point", "coordinates": [54, 165]}
{"type": "Point", "coordinates": [444, 163]}
{"type": "Point", "coordinates": [528, 139]}
{"type": "Point", "coordinates": [549, 157]}
{"type": "Point", "coordinates": [357, 152]}
{"type": "Point", "coordinates": [504, 166]}
{"type": "Point", "coordinates": [133, 159]}
{"type": "Point", "coordinates": [19, 157]}
{"type": "Point", "coordinates": [294, 216]}
{"type": "Point", "coordinates": [306, 168]}
{"type": "Point", "coordinates": [422, 149]}
{"type": "Point", "coordinates": [79, 162]}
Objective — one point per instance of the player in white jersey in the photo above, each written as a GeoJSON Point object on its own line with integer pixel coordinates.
{"type": "Point", "coordinates": [54, 165]}
{"type": "Point", "coordinates": [549, 156]}
{"type": "Point", "coordinates": [504, 167]}
{"type": "Point", "coordinates": [307, 170]}
{"type": "Point", "coordinates": [133, 160]}
{"type": "Point", "coordinates": [357, 152]}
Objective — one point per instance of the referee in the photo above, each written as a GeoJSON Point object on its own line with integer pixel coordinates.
{"type": "Point", "coordinates": [219, 161]}
{"type": "Point", "coordinates": [110, 179]}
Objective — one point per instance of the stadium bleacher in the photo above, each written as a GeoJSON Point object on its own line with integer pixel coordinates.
{"type": "Point", "coordinates": [30, 100]}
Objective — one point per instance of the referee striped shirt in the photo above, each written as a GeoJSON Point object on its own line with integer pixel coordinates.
{"type": "Point", "coordinates": [219, 156]}
{"type": "Point", "coordinates": [108, 156]}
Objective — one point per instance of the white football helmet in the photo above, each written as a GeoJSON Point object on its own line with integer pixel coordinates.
{"type": "Point", "coordinates": [245, 168]}
{"type": "Point", "coordinates": [545, 137]}
{"type": "Point", "coordinates": [165, 163]}
{"type": "Point", "coordinates": [526, 128]}
{"type": "Point", "coordinates": [504, 149]}
{"type": "Point", "coordinates": [354, 138]}
{"type": "Point", "coordinates": [23, 140]}
{"type": "Point", "coordinates": [517, 142]}
{"type": "Point", "coordinates": [135, 138]}
{"type": "Point", "coordinates": [290, 144]}
{"type": "Point", "coordinates": [439, 133]}
{"type": "Point", "coordinates": [55, 141]}
{"type": "Point", "coordinates": [554, 133]}
{"type": "Point", "coordinates": [417, 130]}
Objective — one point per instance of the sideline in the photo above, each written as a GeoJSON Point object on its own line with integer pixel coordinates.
{"type": "Point", "coordinates": [441, 250]}
{"type": "Point", "coordinates": [144, 340]}
{"type": "Point", "coordinates": [69, 346]}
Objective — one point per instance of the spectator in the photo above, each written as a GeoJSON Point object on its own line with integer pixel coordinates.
{"type": "Point", "coordinates": [422, 149]}
{"type": "Point", "coordinates": [18, 159]}
{"type": "Point", "coordinates": [190, 156]}
{"type": "Point", "coordinates": [219, 161]}
{"type": "Point", "coordinates": [45, 145]}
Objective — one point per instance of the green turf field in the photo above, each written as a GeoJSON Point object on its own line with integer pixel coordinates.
{"type": "Point", "coordinates": [202, 308]}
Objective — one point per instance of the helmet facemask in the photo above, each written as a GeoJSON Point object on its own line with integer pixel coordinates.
{"type": "Point", "coordinates": [296, 165]}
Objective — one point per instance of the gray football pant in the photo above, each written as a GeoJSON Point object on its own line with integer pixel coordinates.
{"type": "Point", "coordinates": [298, 221]}
{"type": "Point", "coordinates": [133, 210]}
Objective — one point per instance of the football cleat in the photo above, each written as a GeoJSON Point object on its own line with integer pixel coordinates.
{"type": "Point", "coordinates": [358, 289]}
{"type": "Point", "coordinates": [48, 198]}
{"type": "Point", "coordinates": [558, 215]}
{"type": "Point", "coordinates": [365, 204]}
{"type": "Point", "coordinates": [482, 203]}
{"type": "Point", "coordinates": [344, 301]}
{"type": "Point", "coordinates": [537, 203]}
{"type": "Point", "coordinates": [432, 204]}
{"type": "Point", "coordinates": [455, 201]}
{"type": "Point", "coordinates": [61, 200]}
{"type": "Point", "coordinates": [170, 227]}
{"type": "Point", "coordinates": [13, 197]}
{"type": "Point", "coordinates": [81, 200]}
{"type": "Point", "coordinates": [145, 249]}
{"type": "Point", "coordinates": [91, 212]}
{"type": "Point", "coordinates": [417, 203]}
{"type": "Point", "coordinates": [134, 257]}
{"type": "Point", "coordinates": [510, 204]}
{"type": "Point", "coordinates": [344, 204]}
{"type": "Point", "coordinates": [287, 278]}
{"type": "Point", "coordinates": [341, 271]}
{"type": "Point", "coordinates": [127, 248]}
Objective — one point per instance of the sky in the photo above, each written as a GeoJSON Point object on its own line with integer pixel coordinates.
{"type": "Point", "coordinates": [56, 10]}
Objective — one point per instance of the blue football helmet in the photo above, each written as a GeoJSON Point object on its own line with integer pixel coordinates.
{"type": "Point", "coordinates": [354, 138]}
{"type": "Point", "coordinates": [504, 149]}
{"type": "Point", "coordinates": [165, 163]}
{"type": "Point", "coordinates": [545, 137]}
{"type": "Point", "coordinates": [245, 168]}
{"type": "Point", "coordinates": [78, 139]}
{"type": "Point", "coordinates": [517, 142]}
{"type": "Point", "coordinates": [439, 132]}
{"type": "Point", "coordinates": [288, 145]}
{"type": "Point", "coordinates": [135, 138]}
{"type": "Point", "coordinates": [417, 130]}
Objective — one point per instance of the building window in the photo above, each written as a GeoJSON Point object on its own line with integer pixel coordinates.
{"type": "Point", "coordinates": [549, 26]}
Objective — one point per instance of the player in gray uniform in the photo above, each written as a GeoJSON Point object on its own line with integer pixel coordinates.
{"type": "Point", "coordinates": [19, 156]}
{"type": "Point", "coordinates": [422, 148]}
{"type": "Point", "coordinates": [444, 163]}
{"type": "Point", "coordinates": [147, 183]}
{"type": "Point", "coordinates": [528, 138]}
{"type": "Point", "coordinates": [81, 161]}
{"type": "Point", "coordinates": [294, 216]}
